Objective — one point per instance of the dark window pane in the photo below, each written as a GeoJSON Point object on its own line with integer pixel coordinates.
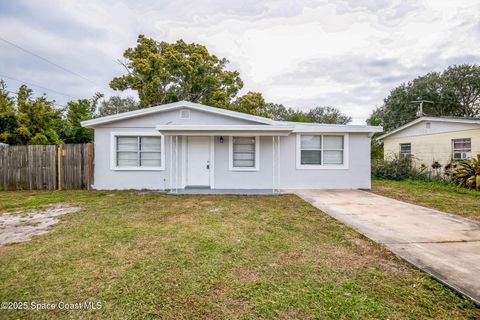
{"type": "Point", "coordinates": [311, 157]}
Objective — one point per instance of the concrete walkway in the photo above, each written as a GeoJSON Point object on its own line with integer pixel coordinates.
{"type": "Point", "coordinates": [444, 245]}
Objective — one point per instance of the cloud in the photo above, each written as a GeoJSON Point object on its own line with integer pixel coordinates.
{"type": "Point", "coordinates": [304, 53]}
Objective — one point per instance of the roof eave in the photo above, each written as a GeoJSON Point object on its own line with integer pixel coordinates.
{"type": "Point", "coordinates": [414, 122]}
{"type": "Point", "coordinates": [224, 129]}
{"type": "Point", "coordinates": [171, 106]}
{"type": "Point", "coordinates": [341, 128]}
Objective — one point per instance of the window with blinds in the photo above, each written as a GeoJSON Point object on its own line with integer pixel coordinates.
{"type": "Point", "coordinates": [322, 150]}
{"type": "Point", "coordinates": [139, 151]}
{"type": "Point", "coordinates": [462, 149]}
{"type": "Point", "coordinates": [311, 150]}
{"type": "Point", "coordinates": [405, 150]}
{"type": "Point", "coordinates": [244, 152]}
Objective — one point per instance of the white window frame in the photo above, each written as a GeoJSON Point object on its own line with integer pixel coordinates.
{"type": "Point", "coordinates": [257, 154]}
{"type": "Point", "coordinates": [113, 151]}
{"type": "Point", "coordinates": [468, 154]}
{"type": "Point", "coordinates": [402, 154]}
{"type": "Point", "coordinates": [322, 166]}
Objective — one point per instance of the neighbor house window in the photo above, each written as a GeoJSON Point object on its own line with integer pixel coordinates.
{"type": "Point", "coordinates": [244, 153]}
{"type": "Point", "coordinates": [462, 149]}
{"type": "Point", "coordinates": [405, 150]}
{"type": "Point", "coordinates": [317, 151]}
{"type": "Point", "coordinates": [138, 152]}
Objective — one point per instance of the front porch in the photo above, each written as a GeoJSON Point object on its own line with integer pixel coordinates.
{"type": "Point", "coordinates": [223, 159]}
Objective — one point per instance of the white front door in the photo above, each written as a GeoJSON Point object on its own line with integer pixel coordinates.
{"type": "Point", "coordinates": [198, 161]}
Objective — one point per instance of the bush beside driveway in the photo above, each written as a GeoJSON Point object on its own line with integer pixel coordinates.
{"type": "Point", "coordinates": [146, 255]}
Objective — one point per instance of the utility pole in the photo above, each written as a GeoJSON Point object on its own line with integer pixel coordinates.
{"type": "Point", "coordinates": [421, 102]}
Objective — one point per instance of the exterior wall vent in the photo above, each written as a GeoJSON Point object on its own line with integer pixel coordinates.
{"type": "Point", "coordinates": [185, 114]}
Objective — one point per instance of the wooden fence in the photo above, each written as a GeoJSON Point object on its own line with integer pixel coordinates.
{"type": "Point", "coordinates": [46, 167]}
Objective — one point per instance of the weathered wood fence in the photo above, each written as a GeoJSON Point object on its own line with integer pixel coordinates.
{"type": "Point", "coordinates": [46, 167]}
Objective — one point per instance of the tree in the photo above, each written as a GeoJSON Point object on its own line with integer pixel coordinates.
{"type": "Point", "coordinates": [298, 116]}
{"type": "Point", "coordinates": [328, 115]}
{"type": "Point", "coordinates": [116, 104]}
{"type": "Point", "coordinates": [318, 114]}
{"type": "Point", "coordinates": [76, 112]}
{"type": "Point", "coordinates": [38, 120]}
{"type": "Point", "coordinates": [276, 111]}
{"type": "Point", "coordinates": [454, 92]}
{"type": "Point", "coordinates": [8, 116]}
{"type": "Point", "coordinates": [168, 72]}
{"type": "Point", "coordinates": [462, 85]}
{"type": "Point", "coordinates": [251, 103]}
{"type": "Point", "coordinates": [376, 147]}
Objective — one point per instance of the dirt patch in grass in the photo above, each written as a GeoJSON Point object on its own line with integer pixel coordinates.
{"type": "Point", "coordinates": [178, 218]}
{"type": "Point", "coordinates": [188, 204]}
{"type": "Point", "coordinates": [21, 226]}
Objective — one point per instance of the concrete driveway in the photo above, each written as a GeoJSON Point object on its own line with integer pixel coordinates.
{"type": "Point", "coordinates": [444, 245]}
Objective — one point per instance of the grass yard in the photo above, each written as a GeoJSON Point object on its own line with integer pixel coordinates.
{"type": "Point", "coordinates": [440, 196]}
{"type": "Point", "coordinates": [147, 255]}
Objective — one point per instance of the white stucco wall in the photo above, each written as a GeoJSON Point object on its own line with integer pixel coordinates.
{"type": "Point", "coordinates": [356, 176]}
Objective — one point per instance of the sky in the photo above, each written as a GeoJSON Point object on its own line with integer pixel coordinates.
{"type": "Point", "coordinates": [348, 54]}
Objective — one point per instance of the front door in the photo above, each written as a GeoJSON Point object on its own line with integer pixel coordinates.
{"type": "Point", "coordinates": [198, 161]}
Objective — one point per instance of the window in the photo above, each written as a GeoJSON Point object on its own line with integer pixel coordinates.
{"type": "Point", "coordinates": [137, 152]}
{"type": "Point", "coordinates": [321, 151]}
{"type": "Point", "coordinates": [405, 150]}
{"type": "Point", "coordinates": [311, 150]}
{"type": "Point", "coordinates": [462, 149]}
{"type": "Point", "coordinates": [244, 153]}
{"type": "Point", "coordinates": [332, 150]}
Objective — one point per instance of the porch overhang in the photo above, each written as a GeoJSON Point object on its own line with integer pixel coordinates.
{"type": "Point", "coordinates": [224, 130]}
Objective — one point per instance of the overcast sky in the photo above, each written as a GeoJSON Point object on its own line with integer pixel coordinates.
{"type": "Point", "coordinates": [348, 54]}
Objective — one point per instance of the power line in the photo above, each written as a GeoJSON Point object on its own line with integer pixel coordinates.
{"type": "Point", "coordinates": [48, 61]}
{"type": "Point", "coordinates": [36, 85]}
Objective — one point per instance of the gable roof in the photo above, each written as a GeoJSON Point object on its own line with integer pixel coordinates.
{"type": "Point", "coordinates": [438, 119]}
{"type": "Point", "coordinates": [173, 106]}
{"type": "Point", "coordinates": [297, 126]}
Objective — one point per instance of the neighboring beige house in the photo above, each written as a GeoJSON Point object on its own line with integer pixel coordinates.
{"type": "Point", "coordinates": [430, 139]}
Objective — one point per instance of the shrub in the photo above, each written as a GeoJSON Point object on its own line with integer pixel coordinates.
{"type": "Point", "coordinates": [397, 168]}
{"type": "Point", "coordinates": [466, 174]}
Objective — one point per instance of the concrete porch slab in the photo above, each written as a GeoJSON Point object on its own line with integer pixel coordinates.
{"type": "Point", "coordinates": [248, 192]}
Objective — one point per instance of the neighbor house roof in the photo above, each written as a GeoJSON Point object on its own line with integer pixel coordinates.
{"type": "Point", "coordinates": [273, 126]}
{"type": "Point", "coordinates": [438, 119]}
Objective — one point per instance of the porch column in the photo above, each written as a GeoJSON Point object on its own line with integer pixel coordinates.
{"type": "Point", "coordinates": [176, 164]}
{"type": "Point", "coordinates": [278, 164]}
{"type": "Point", "coordinates": [171, 162]}
{"type": "Point", "coordinates": [275, 164]}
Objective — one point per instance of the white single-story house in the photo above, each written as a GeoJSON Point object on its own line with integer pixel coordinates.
{"type": "Point", "coordinates": [434, 139]}
{"type": "Point", "coordinates": [185, 145]}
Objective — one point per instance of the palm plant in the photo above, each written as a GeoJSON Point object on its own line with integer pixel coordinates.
{"type": "Point", "coordinates": [467, 173]}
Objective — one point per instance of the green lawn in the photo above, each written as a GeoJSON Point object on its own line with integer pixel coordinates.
{"type": "Point", "coordinates": [440, 196]}
{"type": "Point", "coordinates": [147, 255]}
